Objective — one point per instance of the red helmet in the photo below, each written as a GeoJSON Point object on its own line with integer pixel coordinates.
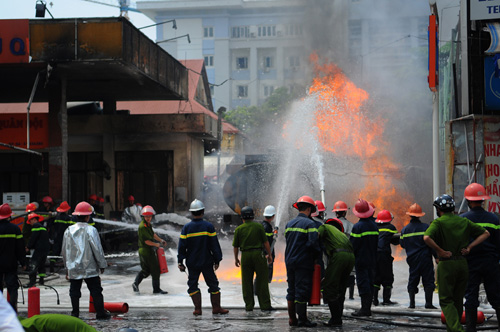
{"type": "Point", "coordinates": [372, 205]}
{"type": "Point", "coordinates": [100, 199]}
{"type": "Point", "coordinates": [415, 211]}
{"type": "Point", "coordinates": [336, 223]}
{"type": "Point", "coordinates": [339, 206]}
{"type": "Point", "coordinates": [5, 211]}
{"type": "Point", "coordinates": [31, 207]}
{"type": "Point", "coordinates": [305, 199]}
{"type": "Point", "coordinates": [320, 206]}
{"type": "Point", "coordinates": [148, 211]}
{"type": "Point", "coordinates": [83, 209]}
{"type": "Point", "coordinates": [476, 192]}
{"type": "Point", "coordinates": [34, 215]}
{"type": "Point", "coordinates": [384, 216]}
{"type": "Point", "coordinates": [93, 197]}
{"type": "Point", "coordinates": [64, 207]}
{"type": "Point", "coordinates": [47, 199]}
{"type": "Point", "coordinates": [363, 209]}
{"type": "Point", "coordinates": [131, 198]}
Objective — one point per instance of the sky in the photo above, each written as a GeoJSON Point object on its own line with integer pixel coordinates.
{"type": "Point", "coordinates": [72, 8]}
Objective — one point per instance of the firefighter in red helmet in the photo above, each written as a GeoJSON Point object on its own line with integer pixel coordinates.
{"type": "Point", "coordinates": [302, 248]}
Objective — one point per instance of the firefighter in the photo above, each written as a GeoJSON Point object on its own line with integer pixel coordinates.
{"type": "Point", "coordinates": [271, 233]}
{"type": "Point", "coordinates": [47, 211]}
{"type": "Point", "coordinates": [94, 201]}
{"type": "Point", "coordinates": [340, 208]}
{"type": "Point", "coordinates": [61, 223]}
{"type": "Point", "coordinates": [11, 254]}
{"type": "Point", "coordinates": [418, 257]}
{"type": "Point", "coordinates": [319, 215]}
{"type": "Point", "coordinates": [483, 259]}
{"type": "Point", "coordinates": [31, 207]}
{"type": "Point", "coordinates": [340, 255]}
{"type": "Point", "coordinates": [132, 213]}
{"type": "Point", "coordinates": [302, 249]}
{"type": "Point", "coordinates": [250, 238]}
{"type": "Point", "coordinates": [39, 242]}
{"type": "Point", "coordinates": [199, 246]}
{"type": "Point", "coordinates": [83, 258]}
{"type": "Point", "coordinates": [364, 239]}
{"type": "Point", "coordinates": [449, 236]}
{"type": "Point", "coordinates": [384, 276]}
{"type": "Point", "coordinates": [148, 243]}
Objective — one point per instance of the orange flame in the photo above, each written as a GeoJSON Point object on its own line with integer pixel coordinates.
{"type": "Point", "coordinates": [232, 273]}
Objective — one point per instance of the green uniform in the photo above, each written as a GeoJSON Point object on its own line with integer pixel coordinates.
{"type": "Point", "coordinates": [340, 254]}
{"type": "Point", "coordinates": [250, 238]}
{"type": "Point", "coordinates": [452, 233]}
{"type": "Point", "coordinates": [147, 255]}
{"type": "Point", "coordinates": [55, 323]}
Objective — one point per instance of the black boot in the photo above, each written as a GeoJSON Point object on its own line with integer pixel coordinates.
{"type": "Point", "coordinates": [351, 287]}
{"type": "Point", "coordinates": [301, 309]}
{"type": "Point", "coordinates": [101, 313]}
{"type": "Point", "coordinates": [41, 281]}
{"type": "Point", "coordinates": [156, 287]}
{"type": "Point", "coordinates": [32, 281]}
{"type": "Point", "coordinates": [13, 300]}
{"type": "Point", "coordinates": [75, 304]}
{"type": "Point", "coordinates": [138, 279]}
{"type": "Point", "coordinates": [470, 319]}
{"type": "Point", "coordinates": [497, 311]}
{"type": "Point", "coordinates": [366, 303]}
{"type": "Point", "coordinates": [386, 293]}
{"type": "Point", "coordinates": [428, 298]}
{"type": "Point", "coordinates": [375, 297]}
{"type": "Point", "coordinates": [336, 309]}
{"type": "Point", "coordinates": [412, 300]}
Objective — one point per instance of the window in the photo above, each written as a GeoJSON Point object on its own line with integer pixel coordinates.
{"type": "Point", "coordinates": [293, 29]}
{"type": "Point", "coordinates": [208, 32]}
{"type": "Point", "coordinates": [294, 61]}
{"type": "Point", "coordinates": [242, 91]}
{"type": "Point", "coordinates": [266, 31]}
{"type": "Point", "coordinates": [240, 32]}
{"type": "Point", "coordinates": [268, 62]}
{"type": "Point", "coordinates": [209, 60]}
{"type": "Point", "coordinates": [242, 62]}
{"type": "Point", "coordinates": [268, 90]}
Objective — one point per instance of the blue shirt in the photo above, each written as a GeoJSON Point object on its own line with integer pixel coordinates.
{"type": "Point", "coordinates": [489, 221]}
{"type": "Point", "coordinates": [364, 240]}
{"type": "Point", "coordinates": [412, 239]}
{"type": "Point", "coordinates": [302, 244]}
{"type": "Point", "coordinates": [198, 244]}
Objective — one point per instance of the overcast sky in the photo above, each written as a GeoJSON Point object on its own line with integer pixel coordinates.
{"type": "Point", "coordinates": [72, 8]}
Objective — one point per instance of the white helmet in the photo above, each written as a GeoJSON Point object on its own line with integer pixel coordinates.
{"type": "Point", "coordinates": [269, 211]}
{"type": "Point", "coordinates": [196, 205]}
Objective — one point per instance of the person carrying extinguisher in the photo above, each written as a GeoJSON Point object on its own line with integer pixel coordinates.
{"type": "Point", "coordinates": [483, 259]}
{"type": "Point", "coordinates": [199, 246]}
{"type": "Point", "coordinates": [148, 243]}
{"type": "Point", "coordinates": [384, 276]}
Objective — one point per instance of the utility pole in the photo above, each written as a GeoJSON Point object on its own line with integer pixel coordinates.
{"type": "Point", "coordinates": [220, 111]}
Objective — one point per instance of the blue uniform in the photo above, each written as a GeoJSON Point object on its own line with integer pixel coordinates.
{"type": "Point", "coordinates": [364, 240]}
{"type": "Point", "coordinates": [384, 273]}
{"type": "Point", "coordinates": [418, 255]}
{"type": "Point", "coordinates": [302, 248]}
{"type": "Point", "coordinates": [198, 244]}
{"type": "Point", "coordinates": [39, 241]}
{"type": "Point", "coordinates": [483, 260]}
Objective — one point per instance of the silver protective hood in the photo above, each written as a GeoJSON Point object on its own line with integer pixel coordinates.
{"type": "Point", "coordinates": [82, 252]}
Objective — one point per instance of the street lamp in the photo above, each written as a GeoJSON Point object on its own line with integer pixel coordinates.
{"type": "Point", "coordinates": [174, 26]}
{"type": "Point", "coordinates": [166, 40]}
{"type": "Point", "coordinates": [40, 9]}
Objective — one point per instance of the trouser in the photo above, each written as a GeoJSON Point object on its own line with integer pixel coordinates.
{"type": "Point", "coordinates": [93, 284]}
{"type": "Point", "coordinates": [12, 284]}
{"type": "Point", "coordinates": [452, 278]}
{"type": "Point", "coordinates": [37, 264]}
{"type": "Point", "coordinates": [336, 278]}
{"type": "Point", "coordinates": [254, 262]}
{"type": "Point", "coordinates": [487, 271]}
{"type": "Point", "coordinates": [420, 266]}
{"type": "Point", "coordinates": [208, 275]}
{"type": "Point", "coordinates": [149, 263]}
{"type": "Point", "coordinates": [364, 279]}
{"type": "Point", "coordinates": [299, 283]}
{"type": "Point", "coordinates": [384, 275]}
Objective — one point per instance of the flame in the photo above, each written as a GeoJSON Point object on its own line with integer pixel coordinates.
{"type": "Point", "coordinates": [233, 273]}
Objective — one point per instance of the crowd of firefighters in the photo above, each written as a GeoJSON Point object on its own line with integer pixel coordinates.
{"type": "Point", "coordinates": [466, 249]}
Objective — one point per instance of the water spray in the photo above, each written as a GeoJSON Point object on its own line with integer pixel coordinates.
{"type": "Point", "coordinates": [322, 193]}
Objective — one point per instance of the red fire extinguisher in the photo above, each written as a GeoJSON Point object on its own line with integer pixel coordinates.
{"type": "Point", "coordinates": [316, 286]}
{"type": "Point", "coordinates": [162, 260]}
{"type": "Point", "coordinates": [33, 301]}
{"type": "Point", "coordinates": [480, 318]}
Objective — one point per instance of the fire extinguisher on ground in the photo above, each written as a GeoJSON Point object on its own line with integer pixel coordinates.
{"type": "Point", "coordinates": [162, 260]}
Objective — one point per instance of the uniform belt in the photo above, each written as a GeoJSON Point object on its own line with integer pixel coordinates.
{"type": "Point", "coordinates": [251, 249]}
{"type": "Point", "coordinates": [343, 250]}
{"type": "Point", "coordinates": [452, 258]}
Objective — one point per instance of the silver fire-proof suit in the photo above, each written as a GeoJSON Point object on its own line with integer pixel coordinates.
{"type": "Point", "coordinates": [82, 252]}
{"type": "Point", "coordinates": [132, 215]}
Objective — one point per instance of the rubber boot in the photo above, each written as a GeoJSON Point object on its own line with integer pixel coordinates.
{"type": "Point", "coordinates": [336, 314]}
{"type": "Point", "coordinates": [32, 281]}
{"type": "Point", "coordinates": [497, 311]}
{"type": "Point", "coordinates": [301, 309]}
{"type": "Point", "coordinates": [41, 281]}
{"type": "Point", "coordinates": [196, 297]}
{"type": "Point", "coordinates": [428, 298]}
{"type": "Point", "coordinates": [138, 279]}
{"type": "Point", "coordinates": [75, 304]}
{"type": "Point", "coordinates": [375, 297]}
{"type": "Point", "coordinates": [470, 319]}
{"type": "Point", "coordinates": [366, 303]}
{"type": "Point", "coordinates": [156, 287]}
{"type": "Point", "coordinates": [412, 300]}
{"type": "Point", "coordinates": [216, 308]}
{"type": "Point", "coordinates": [13, 300]}
{"type": "Point", "coordinates": [351, 287]}
{"type": "Point", "coordinates": [386, 293]}
{"type": "Point", "coordinates": [101, 313]}
{"type": "Point", "coordinates": [292, 315]}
